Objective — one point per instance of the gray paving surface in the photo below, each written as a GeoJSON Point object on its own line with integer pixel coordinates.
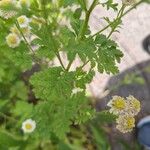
{"type": "Point", "coordinates": [136, 26]}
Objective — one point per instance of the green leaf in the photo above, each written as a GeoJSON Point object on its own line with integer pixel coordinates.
{"type": "Point", "coordinates": [105, 117]}
{"type": "Point", "coordinates": [65, 3]}
{"type": "Point", "coordinates": [50, 83]}
{"type": "Point", "coordinates": [107, 55]}
{"type": "Point", "coordinates": [19, 90]}
{"type": "Point", "coordinates": [61, 106]}
{"type": "Point", "coordinates": [109, 4]}
{"type": "Point", "coordinates": [100, 138]}
{"type": "Point", "coordinates": [8, 140]}
{"type": "Point", "coordinates": [101, 52]}
{"type": "Point", "coordinates": [83, 48]}
{"type": "Point", "coordinates": [20, 56]}
{"type": "Point", "coordinates": [22, 109]}
{"type": "Point", "coordinates": [83, 78]}
{"type": "Point", "coordinates": [82, 3]}
{"type": "Point", "coordinates": [57, 116]}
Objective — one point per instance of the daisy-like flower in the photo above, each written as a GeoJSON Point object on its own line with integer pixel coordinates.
{"type": "Point", "coordinates": [133, 105]}
{"type": "Point", "coordinates": [125, 123]}
{"type": "Point", "coordinates": [76, 90]}
{"type": "Point", "coordinates": [13, 40]}
{"type": "Point", "coordinates": [25, 31]}
{"type": "Point", "coordinates": [117, 104]}
{"type": "Point", "coordinates": [125, 110]}
{"type": "Point", "coordinates": [25, 3]}
{"type": "Point", "coordinates": [23, 21]}
{"type": "Point", "coordinates": [28, 126]}
{"type": "Point", "coordinates": [14, 29]}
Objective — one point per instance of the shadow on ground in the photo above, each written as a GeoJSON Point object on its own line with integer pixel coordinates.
{"type": "Point", "coordinates": [133, 81]}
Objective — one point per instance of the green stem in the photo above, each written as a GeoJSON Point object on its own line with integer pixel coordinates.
{"type": "Point", "coordinates": [59, 58]}
{"type": "Point", "coordinates": [25, 40]}
{"type": "Point", "coordinates": [87, 16]}
{"type": "Point", "coordinates": [85, 64]}
{"type": "Point", "coordinates": [7, 117]}
{"type": "Point", "coordinates": [84, 27]}
{"type": "Point", "coordinates": [69, 65]}
{"type": "Point", "coordinates": [126, 12]}
{"type": "Point", "coordinates": [51, 37]}
{"type": "Point", "coordinates": [117, 20]}
{"type": "Point", "coordinates": [101, 30]}
{"type": "Point", "coordinates": [133, 7]}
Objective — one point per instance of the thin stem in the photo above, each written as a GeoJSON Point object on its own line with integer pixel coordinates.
{"type": "Point", "coordinates": [7, 117]}
{"type": "Point", "coordinates": [84, 27]}
{"type": "Point", "coordinates": [85, 64]}
{"type": "Point", "coordinates": [59, 58]}
{"type": "Point", "coordinates": [102, 30]}
{"type": "Point", "coordinates": [69, 65]}
{"type": "Point", "coordinates": [25, 40]}
{"type": "Point", "coordinates": [87, 16]}
{"type": "Point", "coordinates": [51, 36]}
{"type": "Point", "coordinates": [119, 16]}
{"type": "Point", "coordinates": [126, 12]}
{"type": "Point", "coordinates": [133, 7]}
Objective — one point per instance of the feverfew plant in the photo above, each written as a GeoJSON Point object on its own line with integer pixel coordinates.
{"type": "Point", "coordinates": [32, 37]}
{"type": "Point", "coordinates": [125, 111]}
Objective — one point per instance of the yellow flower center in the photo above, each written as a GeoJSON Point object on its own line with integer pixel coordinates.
{"type": "Point", "coordinates": [119, 104]}
{"type": "Point", "coordinates": [21, 20]}
{"type": "Point", "coordinates": [28, 126]}
{"type": "Point", "coordinates": [13, 40]}
{"type": "Point", "coordinates": [25, 30]}
{"type": "Point", "coordinates": [130, 122]}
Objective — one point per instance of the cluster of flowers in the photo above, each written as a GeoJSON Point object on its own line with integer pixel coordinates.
{"type": "Point", "coordinates": [7, 10]}
{"type": "Point", "coordinates": [21, 28]}
{"type": "Point", "coordinates": [125, 110]}
{"type": "Point", "coordinates": [13, 39]}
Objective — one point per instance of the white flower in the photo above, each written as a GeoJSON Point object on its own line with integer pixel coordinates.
{"type": "Point", "coordinates": [76, 90]}
{"type": "Point", "coordinates": [23, 21]}
{"type": "Point", "coordinates": [125, 110]}
{"type": "Point", "coordinates": [14, 29]}
{"type": "Point", "coordinates": [12, 40]}
{"type": "Point", "coordinates": [125, 123]}
{"type": "Point", "coordinates": [26, 31]}
{"type": "Point", "coordinates": [25, 3]}
{"type": "Point", "coordinates": [117, 104]}
{"type": "Point", "coordinates": [28, 126]}
{"type": "Point", "coordinates": [133, 106]}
